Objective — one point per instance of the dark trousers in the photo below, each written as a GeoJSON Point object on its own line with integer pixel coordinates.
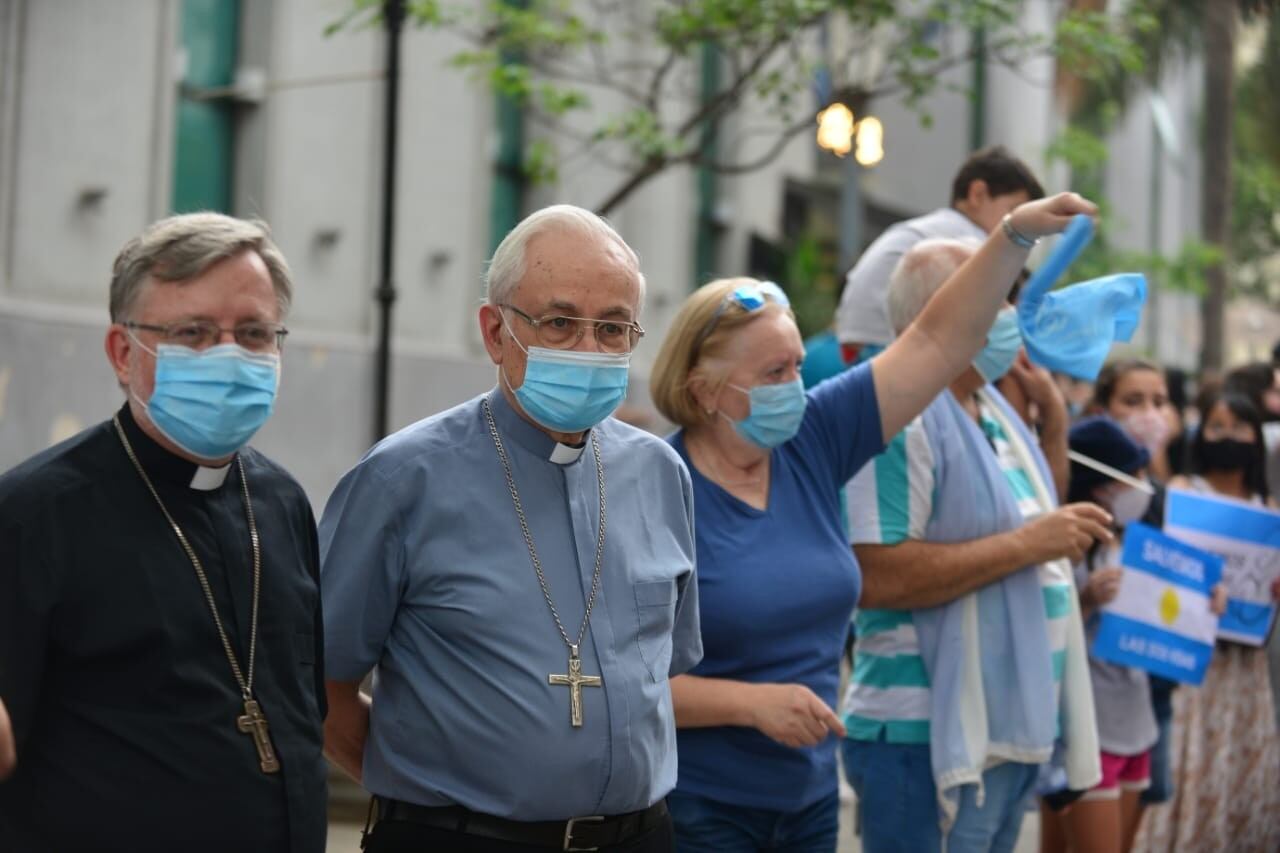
{"type": "Point", "coordinates": [396, 836]}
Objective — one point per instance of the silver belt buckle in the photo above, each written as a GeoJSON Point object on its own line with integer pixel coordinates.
{"type": "Point", "coordinates": [568, 831]}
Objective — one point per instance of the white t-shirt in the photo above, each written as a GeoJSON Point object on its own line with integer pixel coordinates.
{"type": "Point", "coordinates": [863, 316]}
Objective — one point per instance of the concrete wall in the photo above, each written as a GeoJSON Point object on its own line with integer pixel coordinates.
{"type": "Point", "coordinates": [89, 115]}
{"type": "Point", "coordinates": [87, 93]}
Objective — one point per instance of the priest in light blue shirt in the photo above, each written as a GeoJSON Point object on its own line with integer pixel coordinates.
{"type": "Point", "coordinates": [518, 574]}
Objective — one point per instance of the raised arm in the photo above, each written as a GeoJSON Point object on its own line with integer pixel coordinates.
{"type": "Point", "coordinates": [1053, 422]}
{"type": "Point", "coordinates": [953, 327]}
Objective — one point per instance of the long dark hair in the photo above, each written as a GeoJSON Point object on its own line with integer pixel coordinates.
{"type": "Point", "coordinates": [1255, 475]}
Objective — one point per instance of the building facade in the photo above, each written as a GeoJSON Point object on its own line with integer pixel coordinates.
{"type": "Point", "coordinates": [113, 114]}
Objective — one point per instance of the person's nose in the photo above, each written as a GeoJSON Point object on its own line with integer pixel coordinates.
{"type": "Point", "coordinates": [588, 341]}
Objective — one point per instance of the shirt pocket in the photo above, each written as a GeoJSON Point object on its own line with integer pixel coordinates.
{"type": "Point", "coordinates": [655, 614]}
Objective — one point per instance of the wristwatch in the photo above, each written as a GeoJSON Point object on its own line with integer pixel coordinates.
{"type": "Point", "coordinates": [1015, 236]}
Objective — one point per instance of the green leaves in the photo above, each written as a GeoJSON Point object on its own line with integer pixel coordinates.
{"type": "Point", "coordinates": [1079, 148]}
{"type": "Point", "coordinates": [1097, 46]}
{"type": "Point", "coordinates": [623, 80]}
{"type": "Point", "coordinates": [640, 130]}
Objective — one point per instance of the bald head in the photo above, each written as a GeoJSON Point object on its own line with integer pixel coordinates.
{"type": "Point", "coordinates": [919, 274]}
{"type": "Point", "coordinates": [510, 261]}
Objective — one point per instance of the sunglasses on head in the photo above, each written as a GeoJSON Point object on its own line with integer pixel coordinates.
{"type": "Point", "coordinates": [749, 297]}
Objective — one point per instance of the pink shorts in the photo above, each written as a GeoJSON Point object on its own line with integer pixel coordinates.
{"type": "Point", "coordinates": [1122, 773]}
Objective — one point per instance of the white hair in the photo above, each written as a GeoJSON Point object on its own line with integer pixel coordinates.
{"type": "Point", "coordinates": [506, 269]}
{"type": "Point", "coordinates": [919, 274]}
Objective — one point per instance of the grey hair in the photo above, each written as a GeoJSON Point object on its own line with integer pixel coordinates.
{"type": "Point", "coordinates": [507, 267]}
{"type": "Point", "coordinates": [179, 248]}
{"type": "Point", "coordinates": [920, 273]}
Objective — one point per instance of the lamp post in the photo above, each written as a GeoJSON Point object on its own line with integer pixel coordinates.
{"type": "Point", "coordinates": [840, 133]}
{"type": "Point", "coordinates": [393, 14]}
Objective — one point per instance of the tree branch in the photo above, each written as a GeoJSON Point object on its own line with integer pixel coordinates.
{"type": "Point", "coordinates": [659, 77]}
{"type": "Point", "coordinates": [779, 145]}
{"type": "Point", "coordinates": [651, 167]}
{"type": "Point", "coordinates": [725, 98]}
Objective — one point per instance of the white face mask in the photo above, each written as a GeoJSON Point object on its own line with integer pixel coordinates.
{"type": "Point", "coordinates": [1129, 505]}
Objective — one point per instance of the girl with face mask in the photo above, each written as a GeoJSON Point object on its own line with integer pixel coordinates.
{"type": "Point", "coordinates": [1135, 394]}
{"type": "Point", "coordinates": [1106, 818]}
{"type": "Point", "coordinates": [1224, 733]}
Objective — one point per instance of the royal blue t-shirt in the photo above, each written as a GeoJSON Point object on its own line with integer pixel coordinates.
{"type": "Point", "coordinates": [776, 590]}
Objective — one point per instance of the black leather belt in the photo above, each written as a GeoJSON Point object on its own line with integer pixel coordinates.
{"type": "Point", "coordinates": [579, 833]}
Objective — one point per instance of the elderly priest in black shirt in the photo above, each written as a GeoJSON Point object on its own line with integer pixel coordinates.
{"type": "Point", "coordinates": [160, 636]}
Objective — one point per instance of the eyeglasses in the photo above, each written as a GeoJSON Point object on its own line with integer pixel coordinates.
{"type": "Point", "coordinates": [202, 334]}
{"type": "Point", "coordinates": [556, 331]}
{"type": "Point", "coordinates": [748, 297]}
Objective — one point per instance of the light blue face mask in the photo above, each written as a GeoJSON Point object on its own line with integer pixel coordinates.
{"type": "Point", "coordinates": [568, 390]}
{"type": "Point", "coordinates": [776, 413]}
{"type": "Point", "coordinates": [1003, 342]}
{"type": "Point", "coordinates": [211, 402]}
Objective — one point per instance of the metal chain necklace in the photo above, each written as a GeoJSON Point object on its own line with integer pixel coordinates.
{"type": "Point", "coordinates": [252, 722]}
{"type": "Point", "coordinates": [574, 679]}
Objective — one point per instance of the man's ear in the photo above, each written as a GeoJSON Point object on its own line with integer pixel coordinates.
{"type": "Point", "coordinates": [118, 346]}
{"type": "Point", "coordinates": [979, 192]}
{"type": "Point", "coordinates": [490, 319]}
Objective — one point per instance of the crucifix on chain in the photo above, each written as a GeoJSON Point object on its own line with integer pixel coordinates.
{"type": "Point", "coordinates": [254, 722]}
{"type": "Point", "coordinates": [575, 681]}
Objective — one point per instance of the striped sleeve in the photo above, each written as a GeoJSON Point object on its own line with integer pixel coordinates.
{"type": "Point", "coordinates": [891, 498]}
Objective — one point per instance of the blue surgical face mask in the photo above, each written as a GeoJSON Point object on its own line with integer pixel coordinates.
{"type": "Point", "coordinates": [210, 402]}
{"type": "Point", "coordinates": [1003, 342]}
{"type": "Point", "coordinates": [776, 413]}
{"type": "Point", "coordinates": [568, 390]}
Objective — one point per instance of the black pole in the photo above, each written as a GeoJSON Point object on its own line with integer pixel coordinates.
{"type": "Point", "coordinates": [393, 11]}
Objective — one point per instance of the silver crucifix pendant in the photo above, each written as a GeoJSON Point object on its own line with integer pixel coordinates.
{"type": "Point", "coordinates": [575, 681]}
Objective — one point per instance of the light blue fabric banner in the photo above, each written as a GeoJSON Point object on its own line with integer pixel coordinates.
{"type": "Point", "coordinates": [1071, 330]}
{"type": "Point", "coordinates": [1247, 536]}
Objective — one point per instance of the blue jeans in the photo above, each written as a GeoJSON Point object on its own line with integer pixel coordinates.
{"type": "Point", "coordinates": [898, 802]}
{"type": "Point", "coordinates": [708, 826]}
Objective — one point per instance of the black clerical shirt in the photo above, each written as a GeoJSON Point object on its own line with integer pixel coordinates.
{"type": "Point", "coordinates": [123, 703]}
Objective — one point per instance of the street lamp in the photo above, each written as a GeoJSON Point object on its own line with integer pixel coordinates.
{"type": "Point", "coordinates": [835, 129]}
{"type": "Point", "coordinates": [870, 141]}
{"type": "Point", "coordinates": [839, 133]}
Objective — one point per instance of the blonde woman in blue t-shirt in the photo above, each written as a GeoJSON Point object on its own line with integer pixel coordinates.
{"type": "Point", "coordinates": [757, 733]}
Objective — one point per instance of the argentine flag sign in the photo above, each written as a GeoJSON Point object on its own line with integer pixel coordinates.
{"type": "Point", "coordinates": [1160, 619]}
{"type": "Point", "coordinates": [1247, 536]}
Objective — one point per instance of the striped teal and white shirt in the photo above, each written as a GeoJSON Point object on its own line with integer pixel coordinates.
{"type": "Point", "coordinates": [890, 501]}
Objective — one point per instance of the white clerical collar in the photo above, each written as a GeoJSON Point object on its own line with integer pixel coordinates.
{"type": "Point", "coordinates": [208, 479]}
{"type": "Point", "coordinates": [566, 454]}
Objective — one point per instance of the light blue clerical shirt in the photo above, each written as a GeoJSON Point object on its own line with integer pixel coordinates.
{"type": "Point", "coordinates": [426, 580]}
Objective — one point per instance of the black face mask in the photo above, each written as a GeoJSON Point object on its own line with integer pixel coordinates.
{"type": "Point", "coordinates": [1228, 454]}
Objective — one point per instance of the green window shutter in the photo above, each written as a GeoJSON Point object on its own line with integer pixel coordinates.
{"type": "Point", "coordinates": [203, 161]}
